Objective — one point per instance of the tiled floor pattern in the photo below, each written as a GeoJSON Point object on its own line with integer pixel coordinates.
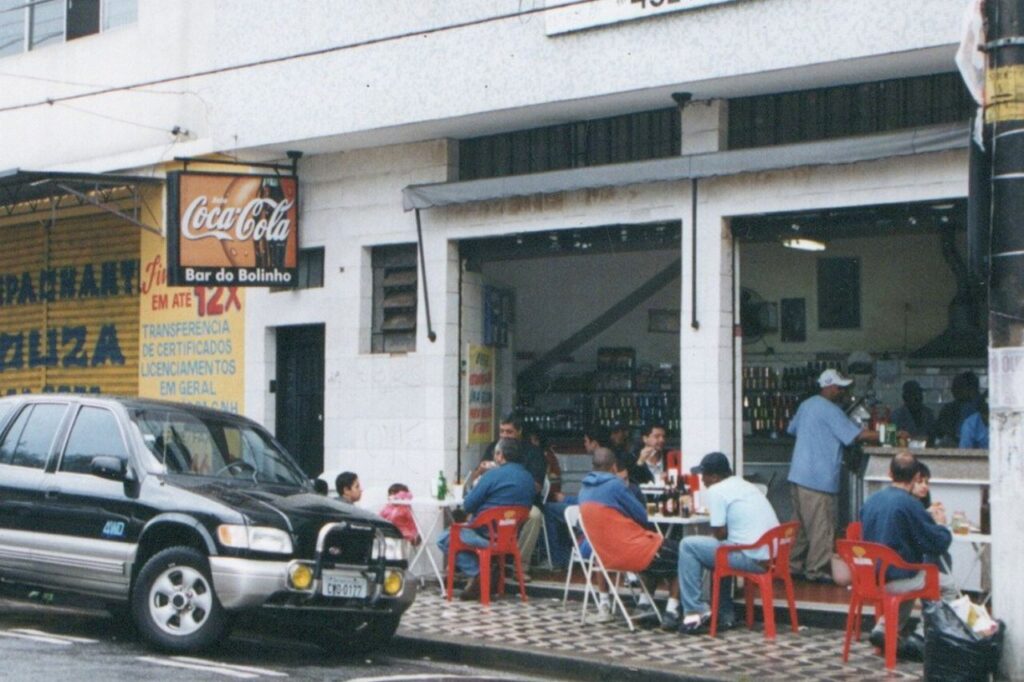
{"type": "Point", "coordinates": [740, 654]}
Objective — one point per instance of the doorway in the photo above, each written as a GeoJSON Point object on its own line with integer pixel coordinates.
{"type": "Point", "coordinates": [300, 394]}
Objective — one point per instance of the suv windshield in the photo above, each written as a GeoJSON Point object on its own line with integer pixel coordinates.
{"type": "Point", "coordinates": [206, 446]}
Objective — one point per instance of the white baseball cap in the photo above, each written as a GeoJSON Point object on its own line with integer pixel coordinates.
{"type": "Point", "coordinates": [831, 377]}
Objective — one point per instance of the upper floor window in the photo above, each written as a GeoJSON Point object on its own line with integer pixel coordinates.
{"type": "Point", "coordinates": [847, 110]}
{"type": "Point", "coordinates": [617, 139]}
{"type": "Point", "coordinates": [31, 24]}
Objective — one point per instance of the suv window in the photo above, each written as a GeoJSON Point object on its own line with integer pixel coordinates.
{"type": "Point", "coordinates": [30, 438]}
{"type": "Point", "coordinates": [205, 445]}
{"type": "Point", "coordinates": [95, 433]}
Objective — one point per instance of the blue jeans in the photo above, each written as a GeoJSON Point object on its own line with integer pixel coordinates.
{"type": "Point", "coordinates": [697, 553]}
{"type": "Point", "coordinates": [558, 535]}
{"type": "Point", "coordinates": [466, 563]}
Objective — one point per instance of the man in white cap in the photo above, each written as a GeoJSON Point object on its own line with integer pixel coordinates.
{"type": "Point", "coordinates": [822, 430]}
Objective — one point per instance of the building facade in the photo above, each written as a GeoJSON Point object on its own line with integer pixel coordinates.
{"type": "Point", "coordinates": [378, 100]}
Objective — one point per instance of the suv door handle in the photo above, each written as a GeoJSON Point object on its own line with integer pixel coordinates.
{"type": "Point", "coordinates": [51, 493]}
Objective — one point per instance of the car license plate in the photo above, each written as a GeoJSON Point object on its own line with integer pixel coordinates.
{"type": "Point", "coordinates": [343, 585]}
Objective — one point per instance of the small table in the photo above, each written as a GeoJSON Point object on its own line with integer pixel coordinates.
{"type": "Point", "coordinates": [695, 520]}
{"type": "Point", "coordinates": [425, 536]}
{"type": "Point", "coordinates": [979, 542]}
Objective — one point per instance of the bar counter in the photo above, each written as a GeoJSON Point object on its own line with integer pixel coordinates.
{"type": "Point", "coordinates": [958, 478]}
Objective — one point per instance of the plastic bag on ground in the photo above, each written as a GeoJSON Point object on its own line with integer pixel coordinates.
{"type": "Point", "coordinates": [953, 652]}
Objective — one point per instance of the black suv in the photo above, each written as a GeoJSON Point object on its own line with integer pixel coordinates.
{"type": "Point", "coordinates": [184, 516]}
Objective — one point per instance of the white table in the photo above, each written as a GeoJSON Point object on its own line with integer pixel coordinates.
{"type": "Point", "coordinates": [979, 542]}
{"type": "Point", "coordinates": [694, 520]}
{"type": "Point", "coordinates": [438, 506]}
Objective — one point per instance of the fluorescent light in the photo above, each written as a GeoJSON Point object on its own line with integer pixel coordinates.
{"type": "Point", "coordinates": [803, 244]}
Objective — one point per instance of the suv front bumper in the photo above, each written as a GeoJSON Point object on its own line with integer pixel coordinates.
{"type": "Point", "coordinates": [249, 583]}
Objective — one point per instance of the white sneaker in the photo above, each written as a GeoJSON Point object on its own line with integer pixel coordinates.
{"type": "Point", "coordinates": [604, 612]}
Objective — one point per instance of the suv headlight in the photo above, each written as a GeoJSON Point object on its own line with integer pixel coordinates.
{"type": "Point", "coordinates": [256, 538]}
{"type": "Point", "coordinates": [395, 549]}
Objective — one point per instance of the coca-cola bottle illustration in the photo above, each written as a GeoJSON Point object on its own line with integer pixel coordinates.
{"type": "Point", "coordinates": [270, 253]}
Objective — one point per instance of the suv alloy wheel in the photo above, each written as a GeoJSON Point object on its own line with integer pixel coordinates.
{"type": "Point", "coordinates": [173, 602]}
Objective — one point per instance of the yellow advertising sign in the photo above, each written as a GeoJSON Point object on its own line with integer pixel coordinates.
{"type": "Point", "coordinates": [1004, 92]}
{"type": "Point", "coordinates": [191, 340]}
{"type": "Point", "coordinates": [480, 395]}
{"type": "Point", "coordinates": [68, 303]}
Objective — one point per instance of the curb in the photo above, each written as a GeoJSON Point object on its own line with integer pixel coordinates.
{"type": "Point", "coordinates": [536, 661]}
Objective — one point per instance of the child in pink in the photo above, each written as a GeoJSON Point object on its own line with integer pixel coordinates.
{"type": "Point", "coordinates": [401, 514]}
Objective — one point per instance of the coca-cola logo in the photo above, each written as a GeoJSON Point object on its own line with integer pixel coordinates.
{"type": "Point", "coordinates": [260, 219]}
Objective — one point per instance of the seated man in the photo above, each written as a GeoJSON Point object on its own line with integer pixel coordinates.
{"type": "Point", "coordinates": [740, 515]}
{"type": "Point", "coordinates": [348, 486]}
{"type": "Point", "coordinates": [508, 484]}
{"type": "Point", "coordinates": [895, 518]}
{"type": "Point", "coordinates": [616, 525]}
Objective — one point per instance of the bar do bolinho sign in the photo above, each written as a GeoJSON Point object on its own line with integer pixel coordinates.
{"type": "Point", "coordinates": [232, 229]}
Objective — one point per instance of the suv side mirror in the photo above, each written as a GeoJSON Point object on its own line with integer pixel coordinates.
{"type": "Point", "coordinates": [320, 486]}
{"type": "Point", "coordinates": [112, 468]}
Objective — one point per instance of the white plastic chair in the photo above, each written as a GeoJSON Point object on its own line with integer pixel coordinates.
{"type": "Point", "coordinates": [545, 493]}
{"type": "Point", "coordinates": [613, 585]}
{"type": "Point", "coordinates": [572, 519]}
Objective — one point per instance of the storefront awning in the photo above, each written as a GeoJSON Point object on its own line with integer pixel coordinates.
{"type": "Point", "coordinates": [25, 192]}
{"type": "Point", "coordinates": [828, 152]}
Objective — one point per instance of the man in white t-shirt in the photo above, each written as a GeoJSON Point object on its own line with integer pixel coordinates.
{"type": "Point", "coordinates": [740, 515]}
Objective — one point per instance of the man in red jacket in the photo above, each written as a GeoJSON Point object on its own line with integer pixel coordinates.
{"type": "Point", "coordinates": [616, 525]}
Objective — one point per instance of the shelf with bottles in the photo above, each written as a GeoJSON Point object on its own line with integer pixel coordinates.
{"type": "Point", "coordinates": [772, 394]}
{"type": "Point", "coordinates": [633, 408]}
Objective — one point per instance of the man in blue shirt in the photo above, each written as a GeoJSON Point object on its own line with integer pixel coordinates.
{"type": "Point", "coordinates": [895, 518]}
{"type": "Point", "coordinates": [507, 485]}
{"type": "Point", "coordinates": [822, 430]}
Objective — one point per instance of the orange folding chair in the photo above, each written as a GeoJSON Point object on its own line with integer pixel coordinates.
{"type": "Point", "coordinates": [779, 541]}
{"type": "Point", "coordinates": [868, 562]}
{"type": "Point", "coordinates": [502, 524]}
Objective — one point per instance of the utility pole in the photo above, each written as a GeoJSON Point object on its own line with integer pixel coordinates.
{"type": "Point", "coordinates": [1004, 112]}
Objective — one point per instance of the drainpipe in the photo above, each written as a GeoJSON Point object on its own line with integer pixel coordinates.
{"type": "Point", "coordinates": [1004, 112]}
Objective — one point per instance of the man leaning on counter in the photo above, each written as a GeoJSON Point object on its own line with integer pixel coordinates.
{"type": "Point", "coordinates": [822, 429]}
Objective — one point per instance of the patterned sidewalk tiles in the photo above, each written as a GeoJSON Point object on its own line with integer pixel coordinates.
{"type": "Point", "coordinates": [544, 626]}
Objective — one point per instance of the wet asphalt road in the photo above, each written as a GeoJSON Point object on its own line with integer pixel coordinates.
{"type": "Point", "coordinates": [40, 642]}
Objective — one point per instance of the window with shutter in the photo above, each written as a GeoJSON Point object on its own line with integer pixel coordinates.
{"type": "Point", "coordinates": [394, 299]}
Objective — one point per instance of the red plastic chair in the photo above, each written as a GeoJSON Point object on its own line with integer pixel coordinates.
{"type": "Point", "coordinates": [779, 541]}
{"type": "Point", "coordinates": [502, 524]}
{"type": "Point", "coordinates": [855, 531]}
{"type": "Point", "coordinates": [868, 562]}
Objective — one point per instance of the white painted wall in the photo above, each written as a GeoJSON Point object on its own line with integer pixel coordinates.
{"type": "Point", "coordinates": [388, 417]}
{"type": "Point", "coordinates": [428, 84]}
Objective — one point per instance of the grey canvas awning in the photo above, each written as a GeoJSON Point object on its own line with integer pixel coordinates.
{"type": "Point", "coordinates": [828, 152]}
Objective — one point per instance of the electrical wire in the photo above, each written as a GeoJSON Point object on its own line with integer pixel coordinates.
{"type": "Point", "coordinates": [114, 118]}
{"type": "Point", "coordinates": [299, 55]}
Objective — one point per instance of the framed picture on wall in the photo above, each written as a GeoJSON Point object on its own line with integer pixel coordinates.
{"type": "Point", "coordinates": [794, 320]}
{"type": "Point", "coordinates": [838, 293]}
{"type": "Point", "coordinates": [662, 321]}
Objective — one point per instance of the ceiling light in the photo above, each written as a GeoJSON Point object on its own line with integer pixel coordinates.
{"type": "Point", "coordinates": [803, 244]}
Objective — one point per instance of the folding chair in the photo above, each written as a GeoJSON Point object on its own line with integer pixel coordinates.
{"type": "Point", "coordinates": [572, 519]}
{"type": "Point", "coordinates": [613, 585]}
{"type": "Point", "coordinates": [545, 493]}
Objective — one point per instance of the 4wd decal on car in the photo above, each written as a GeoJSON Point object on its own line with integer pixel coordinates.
{"type": "Point", "coordinates": [113, 529]}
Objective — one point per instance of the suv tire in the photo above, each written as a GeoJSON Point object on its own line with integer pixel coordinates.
{"type": "Point", "coordinates": [173, 602]}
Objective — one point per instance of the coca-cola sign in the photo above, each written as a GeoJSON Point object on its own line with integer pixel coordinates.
{"type": "Point", "coordinates": [235, 230]}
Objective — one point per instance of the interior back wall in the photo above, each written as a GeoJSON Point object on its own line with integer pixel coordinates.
{"type": "Point", "coordinates": [556, 297]}
{"type": "Point", "coordinates": [905, 289]}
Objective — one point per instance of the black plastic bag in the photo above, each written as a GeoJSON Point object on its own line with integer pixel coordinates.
{"type": "Point", "coordinates": [952, 652]}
